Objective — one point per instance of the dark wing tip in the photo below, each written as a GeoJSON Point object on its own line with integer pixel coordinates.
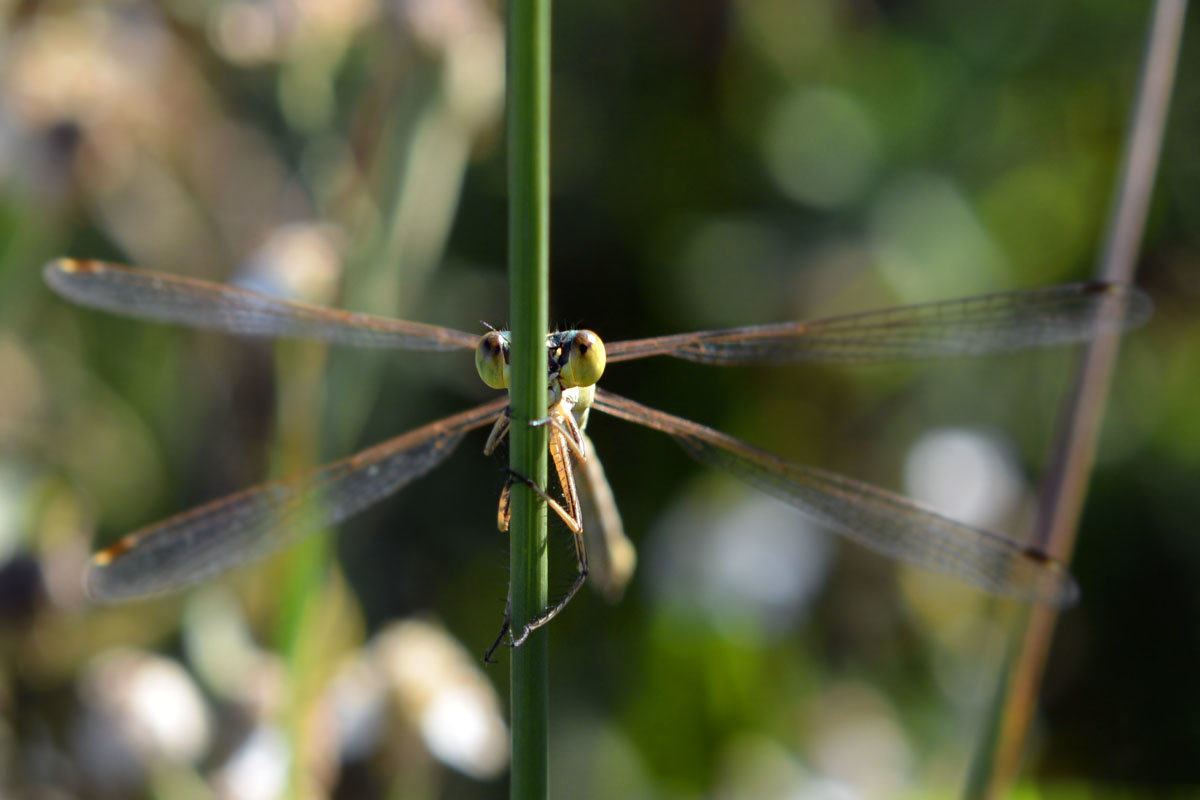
{"type": "Point", "coordinates": [105, 584]}
{"type": "Point", "coordinates": [107, 578]}
{"type": "Point", "coordinates": [54, 271]}
{"type": "Point", "coordinates": [1059, 589]}
{"type": "Point", "coordinates": [98, 583]}
{"type": "Point", "coordinates": [58, 274]}
{"type": "Point", "coordinates": [1096, 286]}
{"type": "Point", "coordinates": [1068, 594]}
{"type": "Point", "coordinates": [71, 266]}
{"type": "Point", "coordinates": [1137, 306]}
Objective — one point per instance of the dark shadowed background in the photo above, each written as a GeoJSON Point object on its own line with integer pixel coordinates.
{"type": "Point", "coordinates": [714, 164]}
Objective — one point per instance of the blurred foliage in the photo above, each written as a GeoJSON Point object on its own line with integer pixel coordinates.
{"type": "Point", "coordinates": [715, 163]}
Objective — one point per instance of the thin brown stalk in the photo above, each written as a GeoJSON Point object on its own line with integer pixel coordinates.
{"type": "Point", "coordinates": [1061, 501]}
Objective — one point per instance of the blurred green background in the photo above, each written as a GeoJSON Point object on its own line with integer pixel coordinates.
{"type": "Point", "coordinates": [714, 164]}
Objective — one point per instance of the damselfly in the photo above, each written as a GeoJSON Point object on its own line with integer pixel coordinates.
{"type": "Point", "coordinates": [198, 544]}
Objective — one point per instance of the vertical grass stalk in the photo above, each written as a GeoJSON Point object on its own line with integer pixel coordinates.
{"type": "Point", "coordinates": [528, 87]}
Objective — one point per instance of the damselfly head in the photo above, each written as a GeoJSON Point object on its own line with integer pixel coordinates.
{"type": "Point", "coordinates": [491, 359]}
{"type": "Point", "coordinates": [582, 359]}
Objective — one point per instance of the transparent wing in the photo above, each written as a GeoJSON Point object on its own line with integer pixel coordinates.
{"type": "Point", "coordinates": [993, 323]}
{"type": "Point", "coordinates": [200, 543]}
{"type": "Point", "coordinates": [612, 557]}
{"type": "Point", "coordinates": [201, 304]}
{"type": "Point", "coordinates": [880, 520]}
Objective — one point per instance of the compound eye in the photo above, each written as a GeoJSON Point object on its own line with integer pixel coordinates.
{"type": "Point", "coordinates": [491, 359]}
{"type": "Point", "coordinates": [585, 360]}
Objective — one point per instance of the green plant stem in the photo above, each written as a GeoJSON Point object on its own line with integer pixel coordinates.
{"type": "Point", "coordinates": [529, 283]}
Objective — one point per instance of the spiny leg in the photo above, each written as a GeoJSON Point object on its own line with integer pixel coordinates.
{"type": "Point", "coordinates": [499, 431]}
{"type": "Point", "coordinates": [562, 420]}
{"type": "Point", "coordinates": [551, 613]}
{"type": "Point", "coordinates": [504, 629]}
{"type": "Point", "coordinates": [571, 514]}
{"type": "Point", "coordinates": [565, 435]}
{"type": "Point", "coordinates": [564, 424]}
{"type": "Point", "coordinates": [574, 521]}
